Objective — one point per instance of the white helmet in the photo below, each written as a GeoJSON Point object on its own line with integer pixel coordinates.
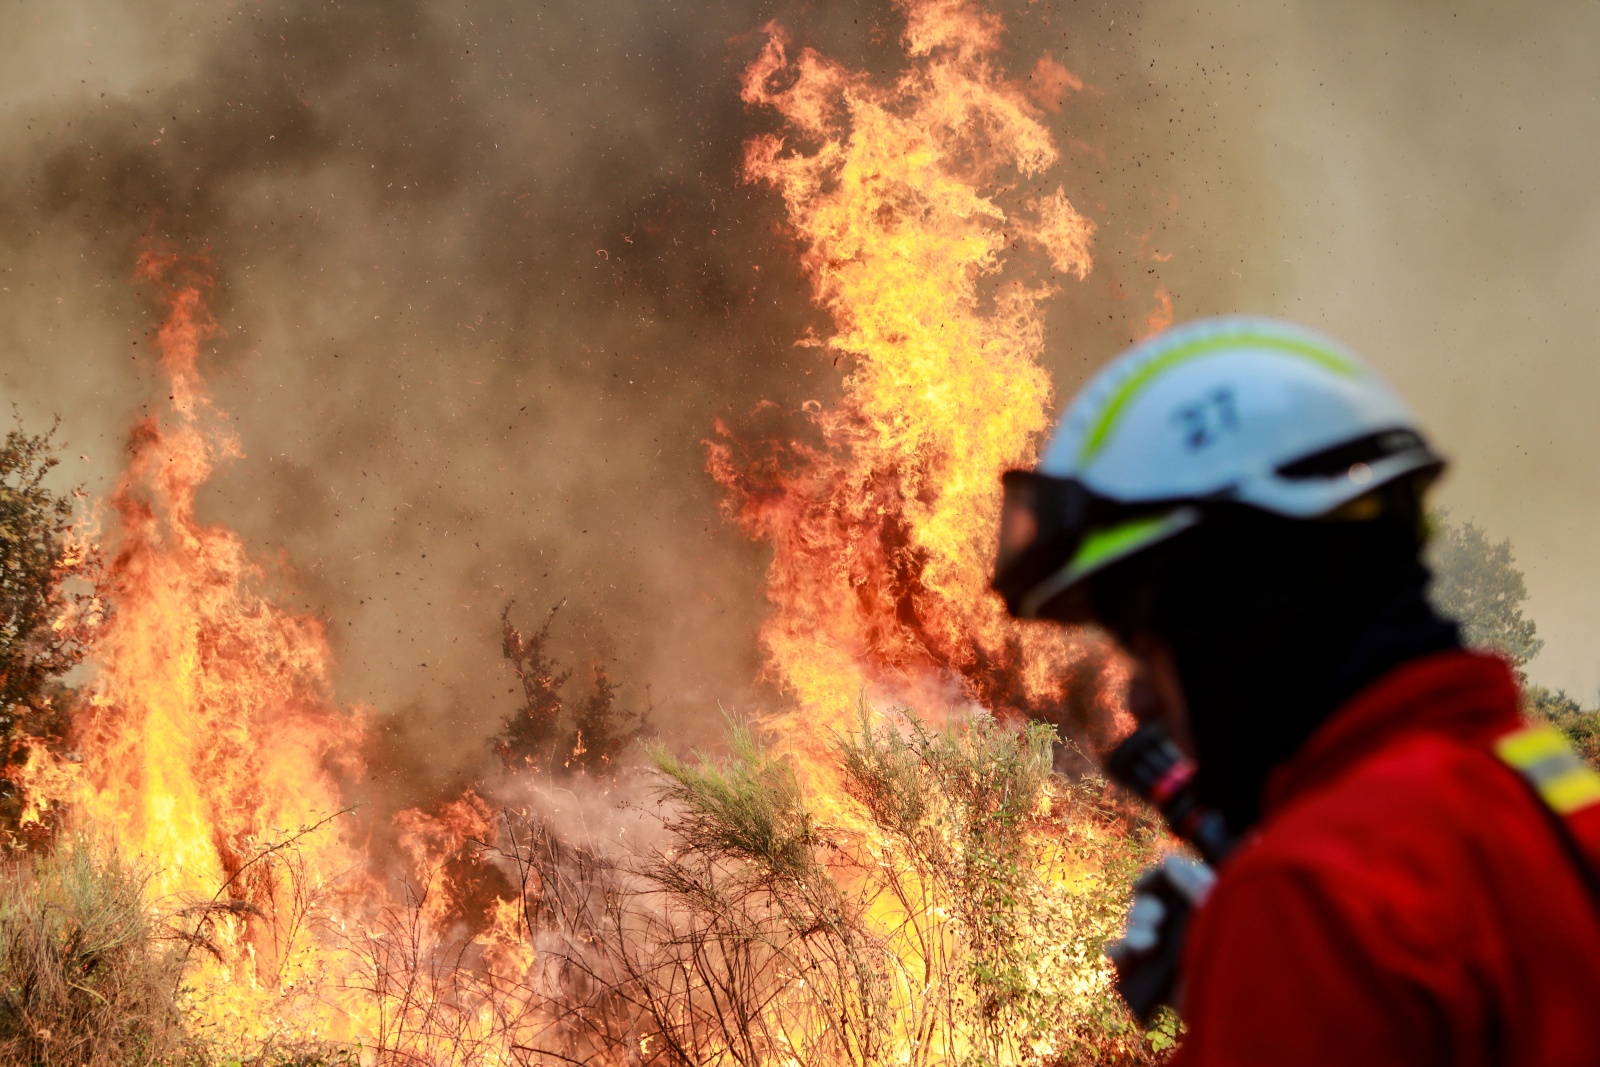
{"type": "Point", "coordinates": [1237, 410]}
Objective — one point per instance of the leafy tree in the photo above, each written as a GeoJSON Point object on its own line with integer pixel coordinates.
{"type": "Point", "coordinates": [38, 644]}
{"type": "Point", "coordinates": [1476, 582]}
{"type": "Point", "coordinates": [49, 601]}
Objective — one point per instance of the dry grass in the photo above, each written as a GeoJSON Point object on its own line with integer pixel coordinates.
{"type": "Point", "coordinates": [85, 977]}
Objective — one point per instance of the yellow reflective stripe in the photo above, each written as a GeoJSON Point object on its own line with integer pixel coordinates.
{"type": "Point", "coordinates": [1527, 746]}
{"type": "Point", "coordinates": [1204, 346]}
{"type": "Point", "coordinates": [1576, 789]}
{"type": "Point", "coordinates": [1106, 545]}
{"type": "Point", "coordinates": [1542, 755]}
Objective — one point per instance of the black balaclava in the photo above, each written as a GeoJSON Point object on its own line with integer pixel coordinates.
{"type": "Point", "coordinates": [1274, 623]}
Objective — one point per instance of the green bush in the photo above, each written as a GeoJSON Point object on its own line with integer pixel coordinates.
{"type": "Point", "coordinates": [1010, 877]}
{"type": "Point", "coordinates": [49, 608]}
{"type": "Point", "coordinates": [1581, 725]}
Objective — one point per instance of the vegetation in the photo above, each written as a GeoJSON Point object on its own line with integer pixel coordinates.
{"type": "Point", "coordinates": [544, 733]}
{"type": "Point", "coordinates": [85, 975]}
{"type": "Point", "coordinates": [951, 907]}
{"type": "Point", "coordinates": [954, 912]}
{"type": "Point", "coordinates": [1581, 725]}
{"type": "Point", "coordinates": [1031, 872]}
{"type": "Point", "coordinates": [1477, 583]}
{"type": "Point", "coordinates": [48, 605]}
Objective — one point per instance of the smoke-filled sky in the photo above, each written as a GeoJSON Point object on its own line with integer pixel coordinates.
{"type": "Point", "coordinates": [488, 274]}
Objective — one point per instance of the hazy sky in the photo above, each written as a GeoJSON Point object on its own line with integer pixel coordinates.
{"type": "Point", "coordinates": [488, 274]}
{"type": "Point", "coordinates": [1431, 203]}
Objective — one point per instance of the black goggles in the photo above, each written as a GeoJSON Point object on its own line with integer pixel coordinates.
{"type": "Point", "coordinates": [1043, 521]}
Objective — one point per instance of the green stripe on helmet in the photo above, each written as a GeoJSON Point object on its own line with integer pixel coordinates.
{"type": "Point", "coordinates": [1205, 346]}
{"type": "Point", "coordinates": [1100, 547]}
{"type": "Point", "coordinates": [1106, 545]}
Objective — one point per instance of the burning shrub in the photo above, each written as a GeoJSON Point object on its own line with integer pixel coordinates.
{"type": "Point", "coordinates": [750, 809]}
{"type": "Point", "coordinates": [955, 913]}
{"type": "Point", "coordinates": [602, 731]}
{"type": "Point", "coordinates": [752, 888]}
{"type": "Point", "coordinates": [85, 978]}
{"type": "Point", "coordinates": [542, 734]}
{"type": "Point", "coordinates": [951, 912]}
{"type": "Point", "coordinates": [532, 735]}
{"type": "Point", "coordinates": [1005, 881]}
{"type": "Point", "coordinates": [733, 943]}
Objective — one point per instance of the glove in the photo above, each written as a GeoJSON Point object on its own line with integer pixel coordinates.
{"type": "Point", "coordinates": [1146, 958]}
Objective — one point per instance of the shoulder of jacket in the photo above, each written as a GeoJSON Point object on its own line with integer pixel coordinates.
{"type": "Point", "coordinates": [1408, 806]}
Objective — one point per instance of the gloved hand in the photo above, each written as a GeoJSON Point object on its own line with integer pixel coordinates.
{"type": "Point", "coordinates": [1146, 958]}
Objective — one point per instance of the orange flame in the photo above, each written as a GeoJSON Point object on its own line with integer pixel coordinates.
{"type": "Point", "coordinates": [210, 734]}
{"type": "Point", "coordinates": [212, 727]}
{"type": "Point", "coordinates": [907, 202]}
{"type": "Point", "coordinates": [213, 751]}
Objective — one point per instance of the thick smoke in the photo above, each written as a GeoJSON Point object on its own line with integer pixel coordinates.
{"type": "Point", "coordinates": [488, 275]}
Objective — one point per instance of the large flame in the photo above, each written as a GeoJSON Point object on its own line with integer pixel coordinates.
{"type": "Point", "coordinates": [210, 734]}
{"type": "Point", "coordinates": [908, 199]}
{"type": "Point", "coordinates": [213, 752]}
{"type": "Point", "coordinates": [212, 730]}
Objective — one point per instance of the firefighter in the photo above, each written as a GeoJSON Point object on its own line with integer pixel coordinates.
{"type": "Point", "coordinates": [1239, 504]}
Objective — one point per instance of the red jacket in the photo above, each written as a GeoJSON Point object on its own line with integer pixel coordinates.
{"type": "Point", "coordinates": [1405, 900]}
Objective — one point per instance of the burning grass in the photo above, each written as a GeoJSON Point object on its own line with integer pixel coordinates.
{"type": "Point", "coordinates": [958, 918]}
